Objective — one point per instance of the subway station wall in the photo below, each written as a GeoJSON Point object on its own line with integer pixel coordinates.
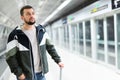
{"type": "Point", "coordinates": [92, 33]}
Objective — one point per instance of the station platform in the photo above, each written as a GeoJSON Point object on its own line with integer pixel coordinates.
{"type": "Point", "coordinates": [77, 68]}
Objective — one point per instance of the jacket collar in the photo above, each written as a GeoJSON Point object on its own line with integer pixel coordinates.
{"type": "Point", "coordinates": [40, 28]}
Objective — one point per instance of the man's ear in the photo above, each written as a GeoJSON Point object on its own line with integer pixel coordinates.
{"type": "Point", "coordinates": [22, 18]}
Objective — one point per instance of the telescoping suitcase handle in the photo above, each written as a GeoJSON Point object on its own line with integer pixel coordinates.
{"type": "Point", "coordinates": [60, 78]}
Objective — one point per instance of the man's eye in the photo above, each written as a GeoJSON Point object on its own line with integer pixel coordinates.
{"type": "Point", "coordinates": [28, 14]}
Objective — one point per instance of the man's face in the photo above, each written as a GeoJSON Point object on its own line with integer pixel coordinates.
{"type": "Point", "coordinates": [28, 16]}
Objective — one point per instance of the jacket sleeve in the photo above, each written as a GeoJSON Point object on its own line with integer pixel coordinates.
{"type": "Point", "coordinates": [51, 49]}
{"type": "Point", "coordinates": [11, 52]}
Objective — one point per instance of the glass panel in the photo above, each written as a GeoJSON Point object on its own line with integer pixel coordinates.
{"type": "Point", "coordinates": [110, 38]}
{"type": "Point", "coordinates": [66, 36]}
{"type": "Point", "coordinates": [81, 45]}
{"type": "Point", "coordinates": [100, 30]}
{"type": "Point", "coordinates": [74, 38]}
{"type": "Point", "coordinates": [87, 30]}
{"type": "Point", "coordinates": [100, 40]}
{"type": "Point", "coordinates": [111, 60]}
{"type": "Point", "coordinates": [77, 39]}
{"type": "Point", "coordinates": [110, 28]}
{"type": "Point", "coordinates": [88, 38]}
{"type": "Point", "coordinates": [118, 37]}
{"type": "Point", "coordinates": [100, 56]}
{"type": "Point", "coordinates": [88, 49]}
{"type": "Point", "coordinates": [62, 36]}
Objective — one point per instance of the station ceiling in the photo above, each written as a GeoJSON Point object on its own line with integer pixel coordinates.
{"type": "Point", "coordinates": [9, 10]}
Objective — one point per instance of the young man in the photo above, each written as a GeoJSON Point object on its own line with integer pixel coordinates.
{"type": "Point", "coordinates": [26, 48]}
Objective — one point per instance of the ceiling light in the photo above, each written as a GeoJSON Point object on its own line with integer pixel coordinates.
{"type": "Point", "coordinates": [64, 4]}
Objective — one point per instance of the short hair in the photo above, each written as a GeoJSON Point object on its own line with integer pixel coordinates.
{"type": "Point", "coordinates": [25, 7]}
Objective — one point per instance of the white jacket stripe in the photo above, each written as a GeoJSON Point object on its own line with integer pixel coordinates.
{"type": "Point", "coordinates": [45, 36]}
{"type": "Point", "coordinates": [12, 44]}
{"type": "Point", "coordinates": [22, 48]}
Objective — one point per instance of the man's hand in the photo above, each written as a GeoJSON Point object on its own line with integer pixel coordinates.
{"type": "Point", "coordinates": [61, 65]}
{"type": "Point", "coordinates": [21, 77]}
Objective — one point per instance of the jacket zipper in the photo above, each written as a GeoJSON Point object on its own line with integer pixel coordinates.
{"type": "Point", "coordinates": [31, 62]}
{"type": "Point", "coordinates": [40, 54]}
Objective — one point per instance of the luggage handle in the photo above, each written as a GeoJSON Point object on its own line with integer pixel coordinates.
{"type": "Point", "coordinates": [60, 77]}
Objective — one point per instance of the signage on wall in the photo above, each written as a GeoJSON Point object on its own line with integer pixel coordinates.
{"type": "Point", "coordinates": [64, 20]}
{"type": "Point", "coordinates": [70, 18]}
{"type": "Point", "coordinates": [99, 8]}
{"type": "Point", "coordinates": [115, 4]}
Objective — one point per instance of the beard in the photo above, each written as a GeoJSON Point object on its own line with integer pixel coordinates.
{"type": "Point", "coordinates": [29, 22]}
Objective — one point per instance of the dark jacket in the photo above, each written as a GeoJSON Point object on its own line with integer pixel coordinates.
{"type": "Point", "coordinates": [19, 52]}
